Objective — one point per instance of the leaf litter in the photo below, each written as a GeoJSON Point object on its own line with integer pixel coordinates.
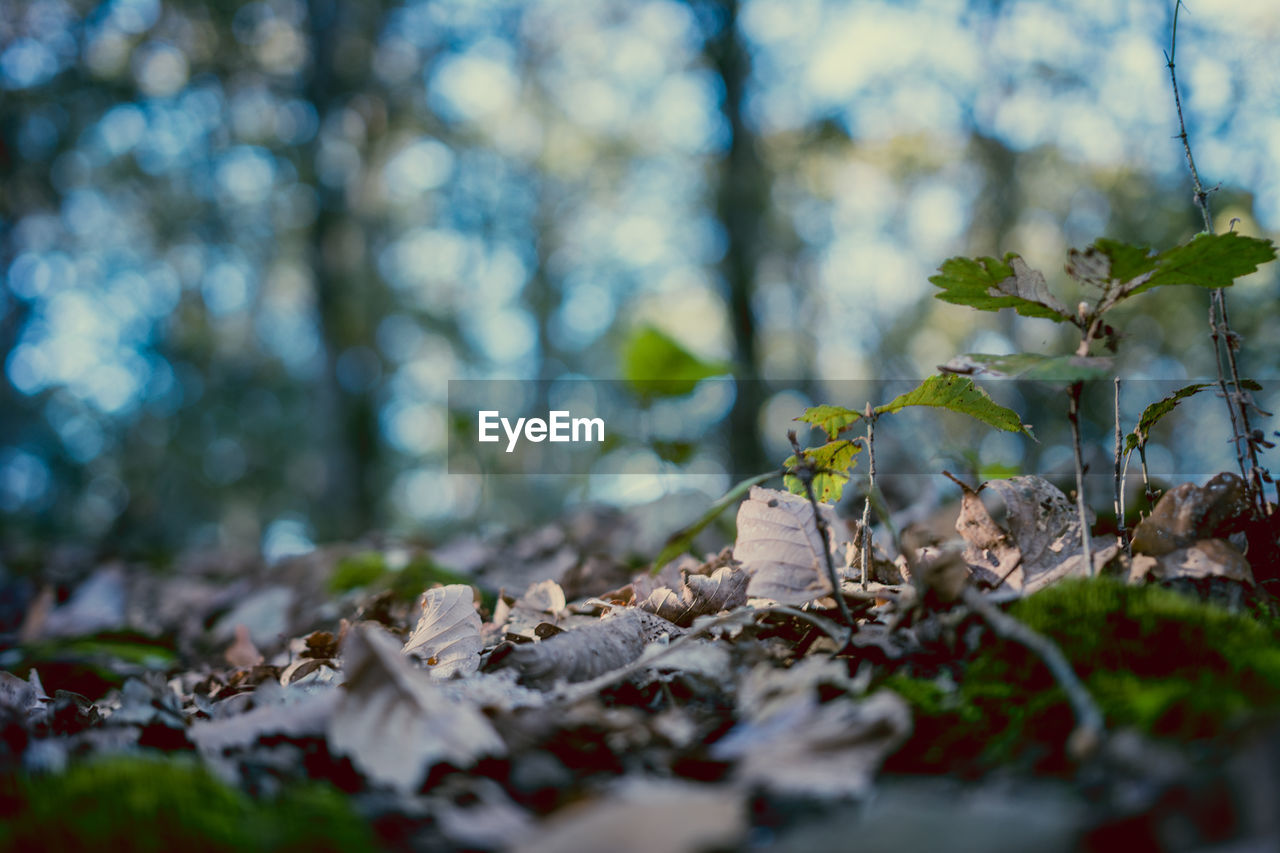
{"type": "Point", "coordinates": [689, 708]}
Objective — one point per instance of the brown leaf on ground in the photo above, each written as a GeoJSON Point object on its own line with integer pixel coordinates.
{"type": "Point", "coordinates": [825, 750]}
{"type": "Point", "coordinates": [587, 652]}
{"type": "Point", "coordinates": [1189, 513]}
{"type": "Point", "coordinates": [242, 653]}
{"type": "Point", "coordinates": [1207, 558]}
{"type": "Point", "coordinates": [781, 549]}
{"type": "Point", "coordinates": [320, 645]}
{"type": "Point", "coordinates": [299, 715]}
{"type": "Point", "coordinates": [1039, 543]}
{"type": "Point", "coordinates": [544, 597]}
{"type": "Point", "coordinates": [699, 595]}
{"type": "Point", "coordinates": [303, 667]}
{"type": "Point", "coordinates": [644, 816]}
{"type": "Point", "coordinates": [394, 723]}
{"type": "Point", "coordinates": [447, 636]}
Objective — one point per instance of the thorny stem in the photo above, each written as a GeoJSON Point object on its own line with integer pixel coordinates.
{"type": "Point", "coordinates": [1073, 414]}
{"type": "Point", "coordinates": [1122, 533]}
{"type": "Point", "coordinates": [1219, 323]}
{"type": "Point", "coordinates": [804, 470]}
{"type": "Point", "coordinates": [1089, 719]}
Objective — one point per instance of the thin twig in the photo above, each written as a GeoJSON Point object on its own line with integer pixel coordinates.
{"type": "Point", "coordinates": [871, 485]}
{"type": "Point", "coordinates": [1219, 323]}
{"type": "Point", "coordinates": [804, 470]}
{"type": "Point", "coordinates": [1122, 533]}
{"type": "Point", "coordinates": [1090, 725]}
{"type": "Point", "coordinates": [1073, 415]}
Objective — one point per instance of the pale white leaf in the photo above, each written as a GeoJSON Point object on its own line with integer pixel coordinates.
{"type": "Point", "coordinates": [639, 817]}
{"type": "Point", "coordinates": [447, 635]}
{"type": "Point", "coordinates": [394, 722]}
{"type": "Point", "coordinates": [302, 715]}
{"type": "Point", "coordinates": [804, 747]}
{"type": "Point", "coordinates": [780, 547]}
{"type": "Point", "coordinates": [545, 596]}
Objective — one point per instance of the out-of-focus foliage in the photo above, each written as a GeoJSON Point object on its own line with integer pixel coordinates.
{"type": "Point", "coordinates": [655, 365]}
{"type": "Point", "coordinates": [244, 246]}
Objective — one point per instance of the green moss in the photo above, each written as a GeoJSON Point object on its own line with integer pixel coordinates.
{"type": "Point", "coordinates": [369, 569]}
{"type": "Point", "coordinates": [357, 570]}
{"type": "Point", "coordinates": [1153, 659]}
{"type": "Point", "coordinates": [158, 805]}
{"type": "Point", "coordinates": [421, 574]}
{"type": "Point", "coordinates": [90, 664]}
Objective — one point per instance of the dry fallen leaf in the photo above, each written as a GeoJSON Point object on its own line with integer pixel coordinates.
{"type": "Point", "coordinates": [1189, 513]}
{"type": "Point", "coordinates": [1207, 558]}
{"type": "Point", "coordinates": [303, 667]}
{"type": "Point", "coordinates": [447, 635]}
{"type": "Point", "coordinates": [242, 653]}
{"type": "Point", "coordinates": [831, 750]}
{"type": "Point", "coordinates": [1039, 543]}
{"type": "Point", "coordinates": [21, 698]}
{"type": "Point", "coordinates": [587, 652]}
{"type": "Point", "coordinates": [394, 722]}
{"type": "Point", "coordinates": [780, 547]}
{"type": "Point", "coordinates": [299, 715]}
{"type": "Point", "coordinates": [643, 816]}
{"type": "Point", "coordinates": [699, 595]}
{"type": "Point", "coordinates": [544, 597]}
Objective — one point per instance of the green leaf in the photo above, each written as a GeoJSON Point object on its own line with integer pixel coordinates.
{"type": "Point", "coordinates": [680, 541]}
{"type": "Point", "coordinates": [989, 285]}
{"type": "Point", "coordinates": [959, 394]}
{"type": "Point", "coordinates": [831, 419]}
{"type": "Point", "coordinates": [1210, 260]}
{"type": "Point", "coordinates": [1152, 414]}
{"type": "Point", "coordinates": [1108, 263]}
{"type": "Point", "coordinates": [834, 460]}
{"type": "Point", "coordinates": [655, 365]}
{"type": "Point", "coordinates": [1022, 365]}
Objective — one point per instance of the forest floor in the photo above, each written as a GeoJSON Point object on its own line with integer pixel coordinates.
{"type": "Point", "coordinates": [545, 691]}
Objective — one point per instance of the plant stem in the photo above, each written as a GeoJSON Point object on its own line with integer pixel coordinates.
{"type": "Point", "coordinates": [1122, 533]}
{"type": "Point", "coordinates": [1149, 492]}
{"type": "Point", "coordinates": [866, 504]}
{"type": "Point", "coordinates": [806, 477]}
{"type": "Point", "coordinates": [1073, 414]}
{"type": "Point", "coordinates": [1224, 339]}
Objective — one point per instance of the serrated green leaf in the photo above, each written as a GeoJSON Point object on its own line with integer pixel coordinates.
{"type": "Point", "coordinates": [655, 365]}
{"type": "Point", "coordinates": [1043, 368]}
{"type": "Point", "coordinates": [830, 419]}
{"type": "Point", "coordinates": [1108, 263]}
{"type": "Point", "coordinates": [989, 284]}
{"type": "Point", "coordinates": [834, 460]}
{"type": "Point", "coordinates": [959, 394]}
{"type": "Point", "coordinates": [1210, 260]}
{"type": "Point", "coordinates": [682, 540]}
{"type": "Point", "coordinates": [1152, 414]}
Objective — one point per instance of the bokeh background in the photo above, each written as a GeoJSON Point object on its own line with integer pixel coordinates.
{"type": "Point", "coordinates": [244, 247]}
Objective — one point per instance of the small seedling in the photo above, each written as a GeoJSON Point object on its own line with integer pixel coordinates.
{"type": "Point", "coordinates": [1111, 272]}
{"type": "Point", "coordinates": [831, 463]}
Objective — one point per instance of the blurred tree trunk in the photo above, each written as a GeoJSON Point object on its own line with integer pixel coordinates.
{"type": "Point", "coordinates": [741, 205]}
{"type": "Point", "coordinates": [345, 298]}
